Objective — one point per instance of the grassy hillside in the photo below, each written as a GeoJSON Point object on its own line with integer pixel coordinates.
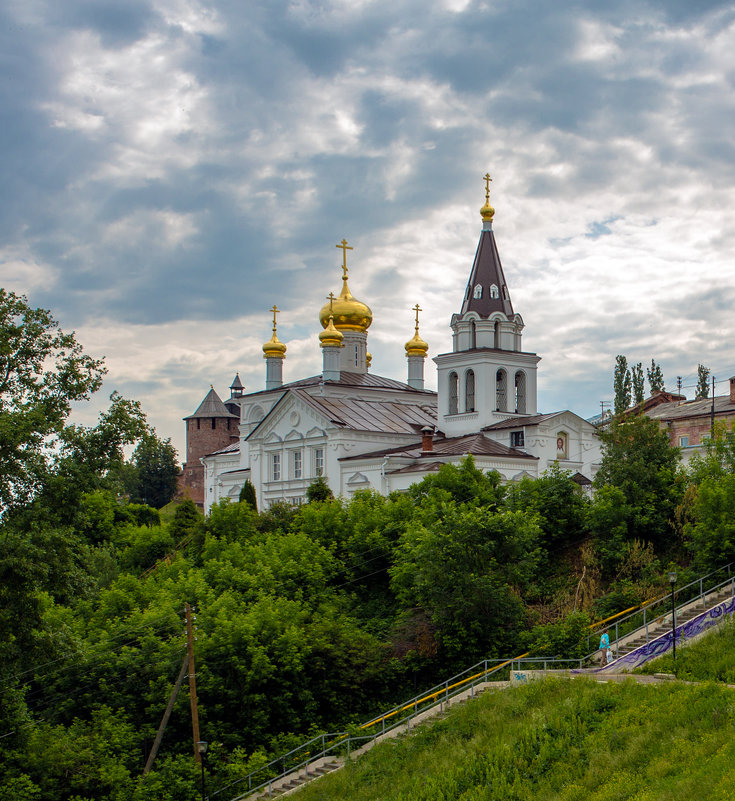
{"type": "Point", "coordinates": [560, 740]}
{"type": "Point", "coordinates": [710, 658]}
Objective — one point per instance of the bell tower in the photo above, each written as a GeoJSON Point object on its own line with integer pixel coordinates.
{"type": "Point", "coordinates": [487, 377]}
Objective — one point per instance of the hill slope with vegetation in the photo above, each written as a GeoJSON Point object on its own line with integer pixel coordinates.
{"type": "Point", "coordinates": [308, 619]}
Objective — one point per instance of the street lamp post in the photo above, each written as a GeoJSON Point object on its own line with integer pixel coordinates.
{"type": "Point", "coordinates": [202, 746]}
{"type": "Point", "coordinates": [672, 581]}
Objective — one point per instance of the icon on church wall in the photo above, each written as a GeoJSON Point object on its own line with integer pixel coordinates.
{"type": "Point", "coordinates": [561, 445]}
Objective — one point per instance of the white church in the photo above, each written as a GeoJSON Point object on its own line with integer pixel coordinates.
{"type": "Point", "coordinates": [360, 430]}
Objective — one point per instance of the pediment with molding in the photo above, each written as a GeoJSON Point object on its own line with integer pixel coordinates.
{"type": "Point", "coordinates": [290, 419]}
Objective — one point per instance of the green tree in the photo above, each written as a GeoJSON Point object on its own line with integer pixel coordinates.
{"type": "Point", "coordinates": [655, 377]}
{"type": "Point", "coordinates": [621, 385]}
{"type": "Point", "coordinates": [157, 470]}
{"type": "Point", "coordinates": [639, 392]}
{"type": "Point", "coordinates": [467, 569]}
{"type": "Point", "coordinates": [639, 460]}
{"type": "Point", "coordinates": [42, 372]}
{"type": "Point", "coordinates": [248, 496]}
{"type": "Point", "coordinates": [702, 382]}
{"type": "Point", "coordinates": [559, 502]}
{"type": "Point", "coordinates": [319, 490]}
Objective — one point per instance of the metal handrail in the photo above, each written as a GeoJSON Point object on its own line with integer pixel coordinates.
{"type": "Point", "coordinates": [436, 695]}
{"type": "Point", "coordinates": [345, 739]}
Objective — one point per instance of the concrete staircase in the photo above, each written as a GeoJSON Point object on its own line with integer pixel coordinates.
{"type": "Point", "coordinates": [662, 624]}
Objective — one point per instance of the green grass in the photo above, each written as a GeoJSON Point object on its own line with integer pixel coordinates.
{"type": "Point", "coordinates": [561, 740]}
{"type": "Point", "coordinates": [712, 657]}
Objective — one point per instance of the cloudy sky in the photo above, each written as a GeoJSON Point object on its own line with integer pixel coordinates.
{"type": "Point", "coordinates": [172, 168]}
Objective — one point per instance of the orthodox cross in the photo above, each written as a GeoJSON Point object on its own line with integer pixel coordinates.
{"type": "Point", "coordinates": [487, 180]}
{"type": "Point", "coordinates": [330, 298]}
{"type": "Point", "coordinates": [417, 309]}
{"type": "Point", "coordinates": [345, 247]}
{"type": "Point", "coordinates": [275, 311]}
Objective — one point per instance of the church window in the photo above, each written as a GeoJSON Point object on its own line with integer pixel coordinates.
{"type": "Point", "coordinates": [493, 291]}
{"type": "Point", "coordinates": [276, 466]}
{"type": "Point", "coordinates": [297, 467]}
{"type": "Point", "coordinates": [520, 388]}
{"type": "Point", "coordinates": [357, 356]}
{"type": "Point", "coordinates": [501, 391]}
{"type": "Point", "coordinates": [214, 422]}
{"type": "Point", "coordinates": [199, 424]}
{"type": "Point", "coordinates": [516, 439]}
{"type": "Point", "coordinates": [473, 335]}
{"type": "Point", "coordinates": [496, 335]}
{"type": "Point", "coordinates": [478, 292]}
{"type": "Point", "coordinates": [319, 461]}
{"type": "Point", "coordinates": [561, 445]}
{"type": "Point", "coordinates": [469, 387]}
{"type": "Point", "coordinates": [453, 394]}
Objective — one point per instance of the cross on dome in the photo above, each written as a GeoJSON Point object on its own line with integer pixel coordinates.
{"type": "Point", "coordinates": [345, 247]}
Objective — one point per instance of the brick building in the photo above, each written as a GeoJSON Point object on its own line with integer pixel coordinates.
{"type": "Point", "coordinates": [689, 422]}
{"type": "Point", "coordinates": [212, 427]}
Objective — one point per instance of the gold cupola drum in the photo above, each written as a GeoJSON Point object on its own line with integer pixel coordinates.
{"type": "Point", "coordinates": [274, 352]}
{"type": "Point", "coordinates": [416, 350]}
{"type": "Point", "coordinates": [349, 317]}
{"type": "Point", "coordinates": [331, 342]}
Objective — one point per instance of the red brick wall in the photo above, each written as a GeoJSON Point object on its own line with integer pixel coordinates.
{"type": "Point", "coordinates": [695, 428]}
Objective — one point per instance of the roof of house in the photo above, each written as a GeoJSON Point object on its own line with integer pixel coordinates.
{"type": "Point", "coordinates": [473, 444]}
{"type": "Point", "coordinates": [681, 410]}
{"type": "Point", "coordinates": [233, 447]}
{"type": "Point", "coordinates": [520, 422]}
{"type": "Point", "coordinates": [211, 406]}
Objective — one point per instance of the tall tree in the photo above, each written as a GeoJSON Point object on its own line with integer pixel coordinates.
{"type": "Point", "coordinates": [702, 382]}
{"type": "Point", "coordinates": [247, 495]}
{"type": "Point", "coordinates": [641, 464]}
{"type": "Point", "coordinates": [639, 392]}
{"type": "Point", "coordinates": [621, 384]}
{"type": "Point", "coordinates": [655, 377]}
{"type": "Point", "coordinates": [157, 470]}
{"type": "Point", "coordinates": [42, 371]}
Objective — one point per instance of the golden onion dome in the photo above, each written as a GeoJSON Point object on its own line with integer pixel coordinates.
{"type": "Point", "coordinates": [349, 313]}
{"type": "Point", "coordinates": [416, 346]}
{"type": "Point", "coordinates": [330, 337]}
{"type": "Point", "coordinates": [368, 358]}
{"type": "Point", "coordinates": [487, 212]}
{"type": "Point", "coordinates": [274, 348]}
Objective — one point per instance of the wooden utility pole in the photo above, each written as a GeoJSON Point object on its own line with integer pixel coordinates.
{"type": "Point", "coordinates": [712, 412]}
{"type": "Point", "coordinates": [192, 684]}
{"type": "Point", "coordinates": [166, 715]}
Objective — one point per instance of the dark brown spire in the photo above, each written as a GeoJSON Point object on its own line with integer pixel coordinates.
{"type": "Point", "coordinates": [487, 281]}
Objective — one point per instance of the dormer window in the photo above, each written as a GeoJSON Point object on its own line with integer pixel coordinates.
{"type": "Point", "coordinates": [478, 292]}
{"type": "Point", "coordinates": [493, 291]}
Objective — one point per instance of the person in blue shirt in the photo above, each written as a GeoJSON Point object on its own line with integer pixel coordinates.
{"type": "Point", "coordinates": [604, 645]}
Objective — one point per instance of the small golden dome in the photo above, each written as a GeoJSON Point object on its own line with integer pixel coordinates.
{"type": "Point", "coordinates": [330, 337]}
{"type": "Point", "coordinates": [274, 348]}
{"type": "Point", "coordinates": [368, 358]}
{"type": "Point", "coordinates": [487, 212]}
{"type": "Point", "coordinates": [349, 313]}
{"type": "Point", "coordinates": [416, 346]}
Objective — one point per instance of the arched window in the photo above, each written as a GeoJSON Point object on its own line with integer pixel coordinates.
{"type": "Point", "coordinates": [520, 383]}
{"type": "Point", "coordinates": [473, 335]}
{"type": "Point", "coordinates": [453, 394]}
{"type": "Point", "coordinates": [478, 292]}
{"type": "Point", "coordinates": [469, 391]}
{"type": "Point", "coordinates": [493, 291]}
{"type": "Point", "coordinates": [496, 335]}
{"type": "Point", "coordinates": [501, 391]}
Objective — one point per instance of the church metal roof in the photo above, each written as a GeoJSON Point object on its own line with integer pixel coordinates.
{"type": "Point", "coordinates": [677, 410]}
{"type": "Point", "coordinates": [364, 380]}
{"type": "Point", "coordinates": [211, 406]}
{"type": "Point", "coordinates": [520, 422]}
{"type": "Point", "coordinates": [473, 444]}
{"type": "Point", "coordinates": [377, 416]}
{"type": "Point", "coordinates": [487, 271]}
